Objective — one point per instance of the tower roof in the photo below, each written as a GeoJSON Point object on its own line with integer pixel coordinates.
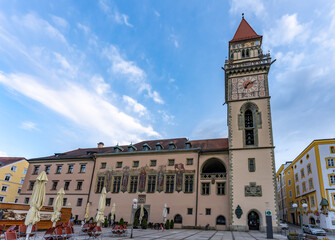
{"type": "Point", "coordinates": [244, 32]}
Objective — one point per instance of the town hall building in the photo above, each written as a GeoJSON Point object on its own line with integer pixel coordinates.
{"type": "Point", "coordinates": [224, 183]}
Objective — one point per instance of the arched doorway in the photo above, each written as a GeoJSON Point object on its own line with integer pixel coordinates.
{"type": "Point", "coordinates": [178, 219]}
{"type": "Point", "coordinates": [137, 215]}
{"type": "Point", "coordinates": [312, 221]}
{"type": "Point", "coordinates": [253, 220]}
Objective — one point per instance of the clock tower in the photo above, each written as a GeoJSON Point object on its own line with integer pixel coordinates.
{"type": "Point", "coordinates": [251, 149]}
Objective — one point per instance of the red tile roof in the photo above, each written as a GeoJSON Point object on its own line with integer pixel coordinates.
{"type": "Point", "coordinates": [179, 143]}
{"type": "Point", "coordinates": [9, 160]}
{"type": "Point", "coordinates": [244, 32]}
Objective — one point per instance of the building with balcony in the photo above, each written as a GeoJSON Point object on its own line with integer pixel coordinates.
{"type": "Point", "coordinates": [309, 178]}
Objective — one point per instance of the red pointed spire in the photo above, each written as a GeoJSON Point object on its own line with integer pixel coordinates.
{"type": "Point", "coordinates": [244, 32]}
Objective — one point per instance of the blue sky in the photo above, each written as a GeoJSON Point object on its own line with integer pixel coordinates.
{"type": "Point", "coordinates": [74, 73]}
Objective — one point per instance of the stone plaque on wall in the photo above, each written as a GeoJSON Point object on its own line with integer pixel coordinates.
{"type": "Point", "coordinates": [253, 190]}
{"type": "Point", "coordinates": [141, 198]}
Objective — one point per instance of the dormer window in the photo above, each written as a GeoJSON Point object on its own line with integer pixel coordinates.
{"type": "Point", "coordinates": [118, 149]}
{"type": "Point", "coordinates": [146, 147]}
{"type": "Point", "coordinates": [90, 152]}
{"type": "Point", "coordinates": [159, 146]}
{"type": "Point", "coordinates": [131, 148]}
{"type": "Point", "coordinates": [58, 154]}
{"type": "Point", "coordinates": [172, 145]}
{"type": "Point", "coordinates": [188, 144]}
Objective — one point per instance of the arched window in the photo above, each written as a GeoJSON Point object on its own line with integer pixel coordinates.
{"type": "Point", "coordinates": [243, 53]}
{"type": "Point", "coordinates": [220, 220]}
{"type": "Point", "coordinates": [213, 165]}
{"type": "Point", "coordinates": [178, 219]}
{"type": "Point", "coordinates": [247, 53]}
{"type": "Point", "coordinates": [249, 121]}
{"type": "Point", "coordinates": [249, 128]}
{"type": "Point", "coordinates": [232, 55]}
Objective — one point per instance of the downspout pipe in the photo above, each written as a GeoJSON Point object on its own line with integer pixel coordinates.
{"type": "Point", "coordinates": [197, 192]}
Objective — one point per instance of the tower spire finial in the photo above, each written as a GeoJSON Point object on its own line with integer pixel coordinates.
{"type": "Point", "coordinates": [242, 15]}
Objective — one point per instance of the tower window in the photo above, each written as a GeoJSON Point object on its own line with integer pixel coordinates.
{"type": "Point", "coordinates": [251, 164]}
{"type": "Point", "coordinates": [243, 53]}
{"type": "Point", "coordinates": [232, 55]}
{"type": "Point", "coordinates": [247, 53]}
{"type": "Point", "coordinates": [249, 128]}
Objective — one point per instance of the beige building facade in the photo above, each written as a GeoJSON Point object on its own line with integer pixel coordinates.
{"type": "Point", "coordinates": [224, 183]}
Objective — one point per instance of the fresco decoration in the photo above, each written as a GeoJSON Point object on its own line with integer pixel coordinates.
{"type": "Point", "coordinates": [109, 175]}
{"type": "Point", "coordinates": [179, 169]}
{"type": "Point", "coordinates": [160, 178]}
{"type": "Point", "coordinates": [20, 215]}
{"type": "Point", "coordinates": [125, 179]}
{"type": "Point", "coordinates": [143, 178]}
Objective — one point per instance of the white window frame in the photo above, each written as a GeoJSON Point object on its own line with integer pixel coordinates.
{"type": "Point", "coordinates": [13, 167]}
{"type": "Point", "coordinates": [4, 186]}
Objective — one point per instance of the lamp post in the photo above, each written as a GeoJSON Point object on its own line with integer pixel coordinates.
{"type": "Point", "coordinates": [304, 206]}
{"type": "Point", "coordinates": [134, 207]}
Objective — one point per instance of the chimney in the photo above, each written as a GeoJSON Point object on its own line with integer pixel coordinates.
{"type": "Point", "coordinates": [100, 144]}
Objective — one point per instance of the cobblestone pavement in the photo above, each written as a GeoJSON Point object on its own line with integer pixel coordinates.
{"type": "Point", "coordinates": [181, 234]}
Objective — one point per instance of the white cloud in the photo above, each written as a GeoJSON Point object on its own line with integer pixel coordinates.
{"type": "Point", "coordinates": [27, 125]}
{"type": "Point", "coordinates": [99, 84]}
{"type": "Point", "coordinates": [39, 25]}
{"type": "Point", "coordinates": [157, 13]}
{"type": "Point", "coordinates": [3, 154]}
{"type": "Point", "coordinates": [82, 107]}
{"type": "Point", "coordinates": [84, 28]}
{"type": "Point", "coordinates": [167, 118]}
{"type": "Point", "coordinates": [240, 6]}
{"type": "Point", "coordinates": [290, 59]}
{"type": "Point", "coordinates": [119, 18]}
{"type": "Point", "coordinates": [121, 66]}
{"type": "Point", "coordinates": [286, 31]}
{"type": "Point", "coordinates": [132, 72]}
{"type": "Point", "coordinates": [135, 106]}
{"type": "Point", "coordinates": [174, 40]}
{"type": "Point", "coordinates": [60, 22]}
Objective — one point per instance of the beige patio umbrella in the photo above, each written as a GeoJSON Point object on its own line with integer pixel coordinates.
{"type": "Point", "coordinates": [141, 213]}
{"type": "Point", "coordinates": [36, 203]}
{"type": "Point", "coordinates": [113, 213]}
{"type": "Point", "coordinates": [87, 211]}
{"type": "Point", "coordinates": [164, 213]}
{"type": "Point", "coordinates": [58, 204]}
{"type": "Point", "coordinates": [100, 218]}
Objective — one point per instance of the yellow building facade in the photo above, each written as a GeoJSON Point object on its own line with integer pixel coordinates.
{"type": "Point", "coordinates": [12, 173]}
{"type": "Point", "coordinates": [309, 178]}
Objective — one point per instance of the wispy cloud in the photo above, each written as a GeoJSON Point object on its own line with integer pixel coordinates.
{"type": "Point", "coordinates": [167, 118]}
{"type": "Point", "coordinates": [157, 13]}
{"type": "Point", "coordinates": [113, 13]}
{"type": "Point", "coordinates": [131, 72]}
{"type": "Point", "coordinates": [60, 22]}
{"type": "Point", "coordinates": [174, 40]}
{"type": "Point", "coordinates": [27, 125]}
{"type": "Point", "coordinates": [287, 31]}
{"type": "Point", "coordinates": [135, 106]}
{"type": "Point", "coordinates": [82, 107]}
{"type": "Point", "coordinates": [36, 24]}
{"type": "Point", "coordinates": [240, 6]}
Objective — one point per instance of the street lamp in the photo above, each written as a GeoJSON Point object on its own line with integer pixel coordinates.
{"type": "Point", "coordinates": [304, 206]}
{"type": "Point", "coordinates": [134, 207]}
